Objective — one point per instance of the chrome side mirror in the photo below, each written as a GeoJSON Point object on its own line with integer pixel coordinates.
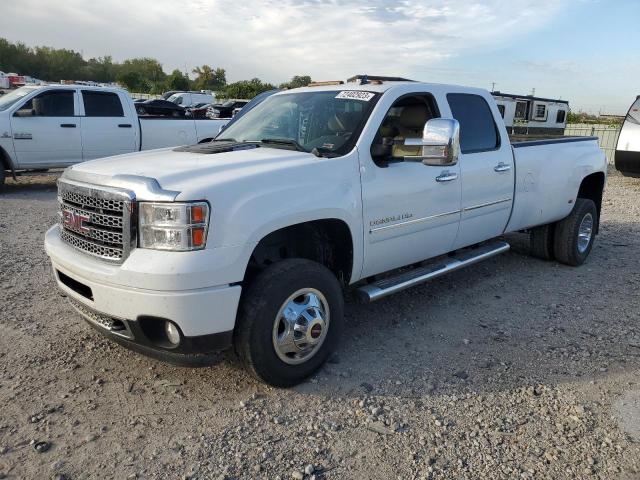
{"type": "Point", "coordinates": [440, 143]}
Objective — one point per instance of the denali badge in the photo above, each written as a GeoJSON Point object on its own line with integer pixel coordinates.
{"type": "Point", "coordinates": [75, 221]}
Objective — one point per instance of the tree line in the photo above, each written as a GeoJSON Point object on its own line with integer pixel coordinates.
{"type": "Point", "coordinates": [140, 75]}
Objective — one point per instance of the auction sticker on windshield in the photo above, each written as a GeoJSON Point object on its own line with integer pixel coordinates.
{"type": "Point", "coordinates": [356, 95]}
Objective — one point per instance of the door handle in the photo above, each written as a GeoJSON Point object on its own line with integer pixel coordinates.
{"type": "Point", "coordinates": [502, 167]}
{"type": "Point", "coordinates": [68, 125]}
{"type": "Point", "coordinates": [446, 177]}
{"type": "Point", "coordinates": [124, 125]}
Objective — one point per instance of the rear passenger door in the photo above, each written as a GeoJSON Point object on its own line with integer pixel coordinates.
{"type": "Point", "coordinates": [105, 129]}
{"type": "Point", "coordinates": [486, 169]}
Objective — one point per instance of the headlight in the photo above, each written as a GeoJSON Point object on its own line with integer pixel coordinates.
{"type": "Point", "coordinates": [173, 226]}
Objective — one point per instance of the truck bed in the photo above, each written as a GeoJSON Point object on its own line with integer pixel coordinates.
{"type": "Point", "coordinates": [547, 176]}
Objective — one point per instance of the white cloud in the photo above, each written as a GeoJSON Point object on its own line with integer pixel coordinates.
{"type": "Point", "coordinates": [276, 39]}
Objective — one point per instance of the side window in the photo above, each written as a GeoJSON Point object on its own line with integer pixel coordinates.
{"type": "Point", "coordinates": [521, 111]}
{"type": "Point", "coordinates": [501, 110]}
{"type": "Point", "coordinates": [540, 112]}
{"type": "Point", "coordinates": [53, 103]}
{"type": "Point", "coordinates": [404, 119]}
{"type": "Point", "coordinates": [561, 116]}
{"type": "Point", "coordinates": [478, 131]}
{"type": "Point", "coordinates": [101, 104]}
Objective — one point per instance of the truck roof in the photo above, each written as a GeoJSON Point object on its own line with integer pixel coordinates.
{"type": "Point", "coordinates": [60, 86]}
{"type": "Point", "coordinates": [381, 87]}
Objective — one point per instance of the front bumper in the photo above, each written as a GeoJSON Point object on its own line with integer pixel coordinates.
{"type": "Point", "coordinates": [135, 316]}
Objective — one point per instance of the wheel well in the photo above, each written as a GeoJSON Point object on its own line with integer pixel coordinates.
{"type": "Point", "coordinates": [5, 160]}
{"type": "Point", "coordinates": [327, 242]}
{"type": "Point", "coordinates": [592, 187]}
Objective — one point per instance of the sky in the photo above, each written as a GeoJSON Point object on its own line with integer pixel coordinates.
{"type": "Point", "coordinates": [584, 51]}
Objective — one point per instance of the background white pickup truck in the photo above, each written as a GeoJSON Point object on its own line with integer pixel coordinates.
{"type": "Point", "coordinates": [248, 240]}
{"type": "Point", "coordinates": [56, 126]}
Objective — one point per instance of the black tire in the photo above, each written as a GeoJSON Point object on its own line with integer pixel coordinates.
{"type": "Point", "coordinates": [541, 242]}
{"type": "Point", "coordinates": [2, 176]}
{"type": "Point", "coordinates": [260, 304]}
{"type": "Point", "coordinates": [565, 245]}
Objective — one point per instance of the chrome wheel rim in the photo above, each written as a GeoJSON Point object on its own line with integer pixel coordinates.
{"type": "Point", "coordinates": [584, 233]}
{"type": "Point", "coordinates": [301, 325]}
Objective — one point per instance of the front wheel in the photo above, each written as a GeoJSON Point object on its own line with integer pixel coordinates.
{"type": "Point", "coordinates": [290, 321]}
{"type": "Point", "coordinates": [574, 235]}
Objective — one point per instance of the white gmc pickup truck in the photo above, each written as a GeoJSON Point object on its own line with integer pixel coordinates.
{"type": "Point", "coordinates": [55, 126]}
{"type": "Point", "coordinates": [248, 241]}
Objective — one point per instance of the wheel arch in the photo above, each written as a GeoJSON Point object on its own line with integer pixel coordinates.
{"type": "Point", "coordinates": [592, 188]}
{"type": "Point", "coordinates": [7, 163]}
{"type": "Point", "coordinates": [328, 241]}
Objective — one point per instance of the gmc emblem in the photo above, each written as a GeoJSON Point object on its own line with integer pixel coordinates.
{"type": "Point", "coordinates": [75, 221]}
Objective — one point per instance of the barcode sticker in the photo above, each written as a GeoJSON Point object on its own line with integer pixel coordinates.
{"type": "Point", "coordinates": [356, 95]}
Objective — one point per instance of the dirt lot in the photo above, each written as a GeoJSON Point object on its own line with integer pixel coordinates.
{"type": "Point", "coordinates": [515, 368]}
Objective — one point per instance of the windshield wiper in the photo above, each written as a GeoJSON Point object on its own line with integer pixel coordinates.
{"type": "Point", "coordinates": [224, 140]}
{"type": "Point", "coordinates": [283, 141]}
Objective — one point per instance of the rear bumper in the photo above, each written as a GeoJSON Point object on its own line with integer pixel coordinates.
{"type": "Point", "coordinates": [628, 163]}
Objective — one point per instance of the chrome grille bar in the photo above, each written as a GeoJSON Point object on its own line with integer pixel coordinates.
{"type": "Point", "coordinates": [97, 220]}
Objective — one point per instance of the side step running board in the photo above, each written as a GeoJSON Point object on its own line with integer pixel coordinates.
{"type": "Point", "coordinates": [382, 288]}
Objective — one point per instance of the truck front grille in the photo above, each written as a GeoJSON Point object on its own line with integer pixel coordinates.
{"type": "Point", "coordinates": [96, 220]}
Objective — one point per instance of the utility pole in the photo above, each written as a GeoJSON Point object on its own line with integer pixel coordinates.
{"type": "Point", "coordinates": [493, 86]}
{"type": "Point", "coordinates": [533, 92]}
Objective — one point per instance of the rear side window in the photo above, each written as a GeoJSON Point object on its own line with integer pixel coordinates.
{"type": "Point", "coordinates": [478, 132]}
{"type": "Point", "coordinates": [561, 116]}
{"type": "Point", "coordinates": [102, 104]}
{"type": "Point", "coordinates": [54, 103]}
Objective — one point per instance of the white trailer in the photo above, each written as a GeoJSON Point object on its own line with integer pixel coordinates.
{"type": "Point", "coordinates": [531, 115]}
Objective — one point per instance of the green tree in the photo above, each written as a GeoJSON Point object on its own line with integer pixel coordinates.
{"type": "Point", "coordinates": [246, 89]}
{"type": "Point", "coordinates": [177, 81]}
{"type": "Point", "coordinates": [297, 81]}
{"type": "Point", "coordinates": [133, 81]}
{"type": "Point", "coordinates": [209, 79]}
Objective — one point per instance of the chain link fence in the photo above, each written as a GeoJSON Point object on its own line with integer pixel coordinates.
{"type": "Point", "coordinates": [607, 135]}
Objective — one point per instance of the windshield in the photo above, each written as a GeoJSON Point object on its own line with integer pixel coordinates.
{"type": "Point", "coordinates": [6, 101]}
{"type": "Point", "coordinates": [177, 98]}
{"type": "Point", "coordinates": [328, 121]}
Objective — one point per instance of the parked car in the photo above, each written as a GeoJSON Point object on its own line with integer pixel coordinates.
{"type": "Point", "coordinates": [248, 241]}
{"type": "Point", "coordinates": [627, 158]}
{"type": "Point", "coordinates": [189, 99]}
{"type": "Point", "coordinates": [199, 110]}
{"type": "Point", "coordinates": [58, 125]}
{"type": "Point", "coordinates": [226, 109]}
{"type": "Point", "coordinates": [166, 95]}
{"type": "Point", "coordinates": [160, 107]}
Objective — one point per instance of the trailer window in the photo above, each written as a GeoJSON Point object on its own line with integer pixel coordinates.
{"type": "Point", "coordinates": [501, 110]}
{"type": "Point", "coordinates": [540, 112]}
{"type": "Point", "coordinates": [521, 111]}
{"type": "Point", "coordinates": [101, 104]}
{"type": "Point", "coordinates": [478, 131]}
{"type": "Point", "coordinates": [560, 117]}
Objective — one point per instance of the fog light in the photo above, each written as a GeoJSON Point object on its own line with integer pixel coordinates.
{"type": "Point", "coordinates": [172, 333]}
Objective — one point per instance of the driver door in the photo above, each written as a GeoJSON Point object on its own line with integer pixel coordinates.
{"type": "Point", "coordinates": [46, 130]}
{"type": "Point", "coordinates": [411, 211]}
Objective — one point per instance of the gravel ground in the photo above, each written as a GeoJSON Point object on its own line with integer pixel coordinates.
{"type": "Point", "coordinates": [514, 368]}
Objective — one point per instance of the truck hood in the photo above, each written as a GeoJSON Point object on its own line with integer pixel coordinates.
{"type": "Point", "coordinates": [183, 172]}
